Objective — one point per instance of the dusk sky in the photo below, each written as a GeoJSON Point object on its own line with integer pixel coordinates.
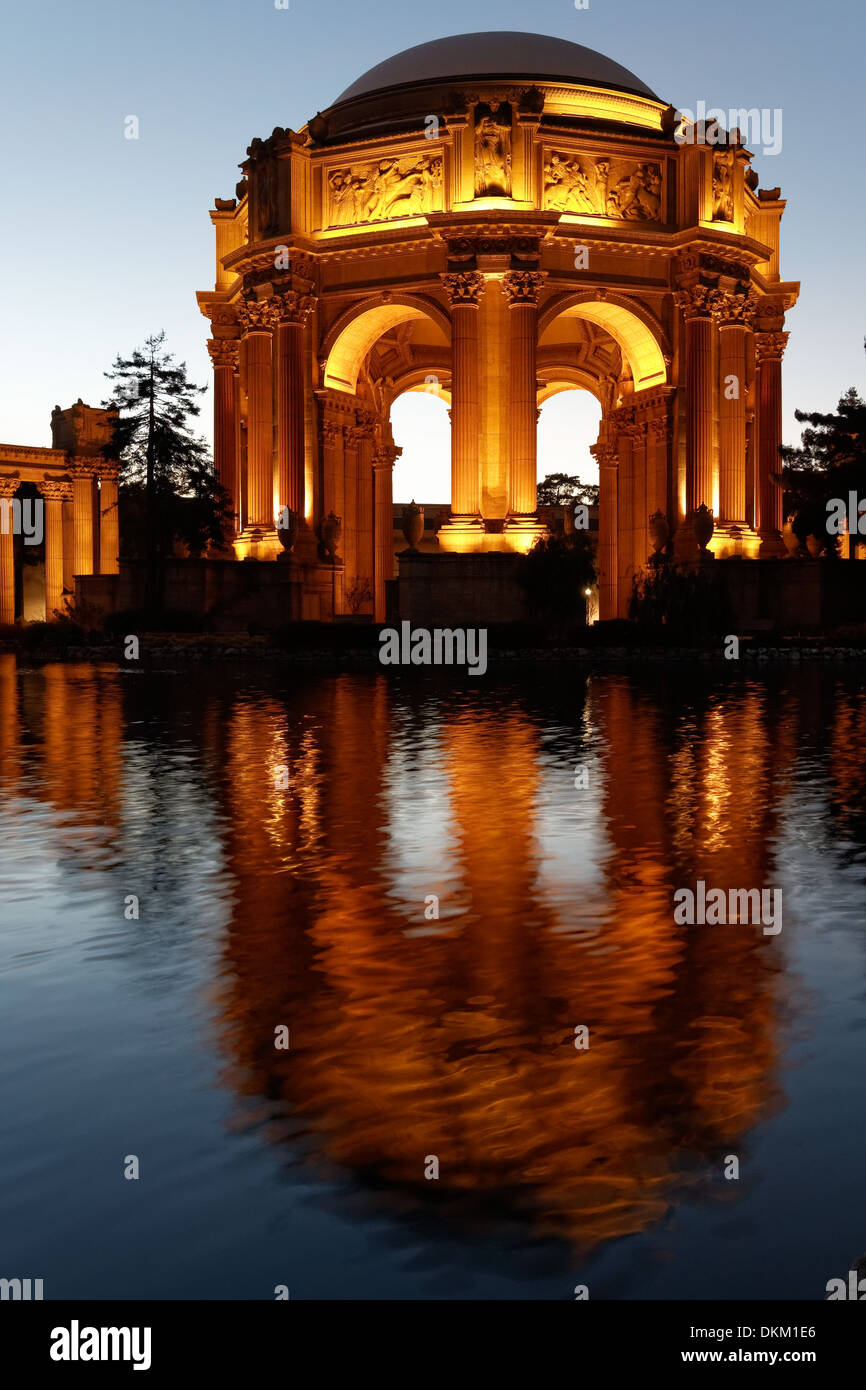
{"type": "Point", "coordinates": [111, 238]}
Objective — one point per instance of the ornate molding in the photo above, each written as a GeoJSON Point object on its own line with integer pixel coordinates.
{"type": "Point", "coordinates": [258, 316]}
{"type": "Point", "coordinates": [770, 347]}
{"type": "Point", "coordinates": [734, 310]}
{"type": "Point", "coordinates": [293, 306]}
{"type": "Point", "coordinates": [56, 489]}
{"type": "Point", "coordinates": [222, 316]}
{"type": "Point", "coordinates": [522, 286]}
{"type": "Point", "coordinates": [84, 468]}
{"type": "Point", "coordinates": [386, 456]}
{"type": "Point", "coordinates": [659, 426]}
{"type": "Point", "coordinates": [605, 454]}
{"type": "Point", "coordinates": [463, 287]}
{"type": "Point", "coordinates": [223, 352]}
{"type": "Point", "coordinates": [698, 301]}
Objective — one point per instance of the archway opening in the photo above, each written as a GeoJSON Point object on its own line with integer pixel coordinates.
{"type": "Point", "coordinates": [567, 428]}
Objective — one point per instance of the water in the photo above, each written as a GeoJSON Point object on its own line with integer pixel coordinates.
{"type": "Point", "coordinates": [310, 908]}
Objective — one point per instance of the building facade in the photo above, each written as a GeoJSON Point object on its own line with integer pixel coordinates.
{"type": "Point", "coordinates": [74, 486]}
{"type": "Point", "coordinates": [497, 217]}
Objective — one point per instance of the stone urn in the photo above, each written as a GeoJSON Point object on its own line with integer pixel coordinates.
{"type": "Point", "coordinates": [413, 524]}
{"type": "Point", "coordinates": [331, 531]}
{"type": "Point", "coordinates": [704, 525]}
{"type": "Point", "coordinates": [790, 538]}
{"type": "Point", "coordinates": [288, 526]}
{"type": "Point", "coordinates": [659, 531]}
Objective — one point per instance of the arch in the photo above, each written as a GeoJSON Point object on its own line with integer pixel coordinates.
{"type": "Point", "coordinates": [563, 377]}
{"type": "Point", "coordinates": [636, 332]}
{"type": "Point", "coordinates": [353, 334]}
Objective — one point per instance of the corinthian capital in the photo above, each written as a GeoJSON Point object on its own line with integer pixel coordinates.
{"type": "Point", "coordinates": [56, 489]}
{"type": "Point", "coordinates": [699, 301]}
{"type": "Point", "coordinates": [258, 315]}
{"type": "Point", "coordinates": [770, 347]}
{"type": "Point", "coordinates": [293, 306]}
{"type": "Point", "coordinates": [734, 310]}
{"type": "Point", "coordinates": [522, 286]}
{"type": "Point", "coordinates": [223, 352]}
{"type": "Point", "coordinates": [386, 456]}
{"type": "Point", "coordinates": [9, 486]}
{"type": "Point", "coordinates": [463, 287]}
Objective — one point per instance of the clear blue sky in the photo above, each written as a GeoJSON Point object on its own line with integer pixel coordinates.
{"type": "Point", "coordinates": [106, 239]}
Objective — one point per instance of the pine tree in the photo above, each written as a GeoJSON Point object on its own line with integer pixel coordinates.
{"type": "Point", "coordinates": [162, 463]}
{"type": "Point", "coordinates": [830, 463]}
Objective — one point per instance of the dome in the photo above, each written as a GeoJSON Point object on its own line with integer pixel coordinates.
{"type": "Point", "coordinates": [497, 55]}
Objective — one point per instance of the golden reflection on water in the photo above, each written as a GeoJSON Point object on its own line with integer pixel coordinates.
{"type": "Point", "coordinates": [455, 1037]}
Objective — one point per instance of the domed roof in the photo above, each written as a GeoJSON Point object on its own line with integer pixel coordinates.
{"type": "Point", "coordinates": [497, 55]}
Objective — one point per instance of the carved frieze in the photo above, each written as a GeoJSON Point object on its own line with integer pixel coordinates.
{"type": "Point", "coordinates": [380, 190]}
{"type": "Point", "coordinates": [597, 187]}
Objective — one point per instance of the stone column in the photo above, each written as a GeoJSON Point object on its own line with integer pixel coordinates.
{"type": "Point", "coordinates": [521, 289]}
{"type": "Point", "coordinates": [383, 464]}
{"type": "Point", "coordinates": [733, 319]}
{"type": "Point", "coordinates": [54, 494]}
{"type": "Point", "coordinates": [464, 291]}
{"type": "Point", "coordinates": [224, 356]}
{"type": "Point", "coordinates": [658, 446]}
{"type": "Point", "coordinates": [769, 349]}
{"type": "Point", "coordinates": [293, 309]}
{"type": "Point", "coordinates": [8, 488]}
{"type": "Point", "coordinates": [697, 307]}
{"type": "Point", "coordinates": [608, 507]}
{"type": "Point", "coordinates": [109, 521]}
{"type": "Point", "coordinates": [83, 507]}
{"type": "Point", "coordinates": [258, 320]}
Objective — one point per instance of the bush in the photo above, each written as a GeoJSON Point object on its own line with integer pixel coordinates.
{"type": "Point", "coordinates": [688, 604]}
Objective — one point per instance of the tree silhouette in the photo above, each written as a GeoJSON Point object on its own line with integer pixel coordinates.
{"type": "Point", "coordinates": [167, 482]}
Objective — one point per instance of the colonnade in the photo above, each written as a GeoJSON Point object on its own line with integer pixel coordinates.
{"type": "Point", "coordinates": [79, 520]}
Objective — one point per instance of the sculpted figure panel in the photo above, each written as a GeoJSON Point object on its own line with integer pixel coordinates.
{"type": "Point", "coordinates": [384, 189]}
{"type": "Point", "coordinates": [492, 153]}
{"type": "Point", "coordinates": [603, 187]}
{"type": "Point", "coordinates": [723, 186]}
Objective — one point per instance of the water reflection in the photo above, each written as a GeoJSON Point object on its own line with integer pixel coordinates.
{"type": "Point", "coordinates": [453, 1036]}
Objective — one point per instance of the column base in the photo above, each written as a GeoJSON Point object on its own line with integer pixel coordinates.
{"type": "Point", "coordinates": [522, 530]}
{"type": "Point", "coordinates": [772, 547]}
{"type": "Point", "coordinates": [461, 534]}
{"type": "Point", "coordinates": [734, 540]}
{"type": "Point", "coordinates": [257, 543]}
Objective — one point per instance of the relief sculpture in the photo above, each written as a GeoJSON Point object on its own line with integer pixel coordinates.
{"type": "Point", "coordinates": [493, 154]}
{"type": "Point", "coordinates": [386, 189]}
{"type": "Point", "coordinates": [603, 187]}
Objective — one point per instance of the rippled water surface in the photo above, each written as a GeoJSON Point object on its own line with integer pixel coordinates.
{"type": "Point", "coordinates": [310, 907]}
